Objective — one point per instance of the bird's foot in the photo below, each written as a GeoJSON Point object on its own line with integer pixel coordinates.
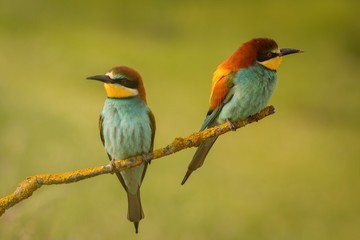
{"type": "Point", "coordinates": [231, 125]}
{"type": "Point", "coordinates": [113, 166]}
{"type": "Point", "coordinates": [117, 172]}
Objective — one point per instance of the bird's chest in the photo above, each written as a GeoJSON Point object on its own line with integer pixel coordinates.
{"type": "Point", "coordinates": [125, 128]}
{"type": "Point", "coordinates": [251, 92]}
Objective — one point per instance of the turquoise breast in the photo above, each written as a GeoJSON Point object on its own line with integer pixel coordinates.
{"type": "Point", "coordinates": [252, 90]}
{"type": "Point", "coordinates": [126, 127]}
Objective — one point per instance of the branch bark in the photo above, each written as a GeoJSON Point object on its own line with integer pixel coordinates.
{"type": "Point", "coordinates": [26, 188]}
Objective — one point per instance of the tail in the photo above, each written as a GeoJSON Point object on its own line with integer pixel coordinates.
{"type": "Point", "coordinates": [135, 211]}
{"type": "Point", "coordinates": [199, 157]}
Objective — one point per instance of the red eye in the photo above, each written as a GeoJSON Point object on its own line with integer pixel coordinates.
{"type": "Point", "coordinates": [269, 55]}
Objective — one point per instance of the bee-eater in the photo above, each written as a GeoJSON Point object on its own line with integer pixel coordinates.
{"type": "Point", "coordinates": [127, 128]}
{"type": "Point", "coordinates": [241, 87]}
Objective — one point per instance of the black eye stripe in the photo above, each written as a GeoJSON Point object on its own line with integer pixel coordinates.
{"type": "Point", "coordinates": [266, 56]}
{"type": "Point", "coordinates": [126, 82]}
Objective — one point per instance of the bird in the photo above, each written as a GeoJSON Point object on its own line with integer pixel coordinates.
{"type": "Point", "coordinates": [127, 128]}
{"type": "Point", "coordinates": [241, 87]}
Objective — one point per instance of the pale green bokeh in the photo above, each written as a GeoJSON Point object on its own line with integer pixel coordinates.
{"type": "Point", "coordinates": [294, 175]}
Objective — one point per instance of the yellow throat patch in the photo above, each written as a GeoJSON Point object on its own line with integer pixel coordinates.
{"type": "Point", "coordinates": [118, 91]}
{"type": "Point", "coordinates": [273, 63]}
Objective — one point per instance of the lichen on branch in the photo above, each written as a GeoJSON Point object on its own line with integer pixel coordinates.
{"type": "Point", "coordinates": [26, 188]}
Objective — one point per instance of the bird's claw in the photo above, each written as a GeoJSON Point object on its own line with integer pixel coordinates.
{"type": "Point", "coordinates": [112, 165]}
{"type": "Point", "coordinates": [231, 125]}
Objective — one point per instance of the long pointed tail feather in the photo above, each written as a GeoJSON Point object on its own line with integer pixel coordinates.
{"type": "Point", "coordinates": [199, 157]}
{"type": "Point", "coordinates": [135, 211]}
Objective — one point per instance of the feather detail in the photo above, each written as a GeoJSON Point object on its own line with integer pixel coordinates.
{"type": "Point", "coordinates": [219, 73]}
{"type": "Point", "coordinates": [100, 129]}
{"type": "Point", "coordinates": [199, 157]}
{"type": "Point", "coordinates": [220, 90]}
{"type": "Point", "coordinates": [135, 211]}
{"type": "Point", "coordinates": [246, 55]}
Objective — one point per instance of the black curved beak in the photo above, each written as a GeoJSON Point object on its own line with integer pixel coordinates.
{"type": "Point", "coordinates": [101, 78]}
{"type": "Point", "coordinates": [287, 51]}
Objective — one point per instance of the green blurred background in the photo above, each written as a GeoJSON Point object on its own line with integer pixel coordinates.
{"type": "Point", "coordinates": [294, 175]}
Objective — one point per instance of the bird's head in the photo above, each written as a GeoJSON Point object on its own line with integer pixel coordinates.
{"type": "Point", "coordinates": [268, 54]}
{"type": "Point", "coordinates": [122, 82]}
{"type": "Point", "coordinates": [264, 51]}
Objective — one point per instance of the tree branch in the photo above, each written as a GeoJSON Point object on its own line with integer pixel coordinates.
{"type": "Point", "coordinates": [26, 188]}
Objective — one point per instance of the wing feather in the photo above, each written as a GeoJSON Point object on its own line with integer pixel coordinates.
{"type": "Point", "coordinates": [221, 84]}
{"type": "Point", "coordinates": [220, 94]}
{"type": "Point", "coordinates": [153, 129]}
